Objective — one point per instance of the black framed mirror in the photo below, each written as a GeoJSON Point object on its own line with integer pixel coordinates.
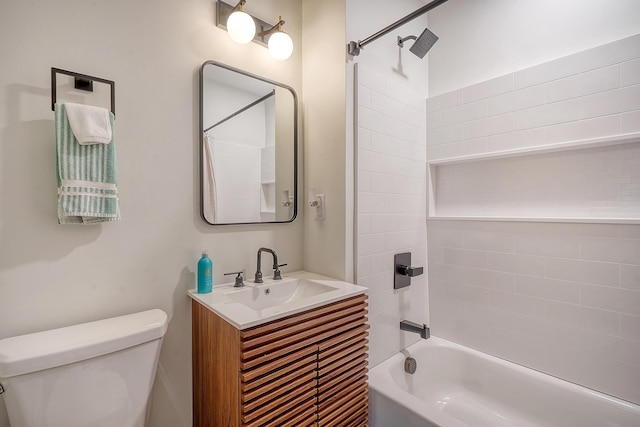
{"type": "Point", "coordinates": [248, 149]}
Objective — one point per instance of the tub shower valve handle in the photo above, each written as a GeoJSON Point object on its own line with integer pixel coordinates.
{"type": "Point", "coordinates": [410, 271]}
{"type": "Point", "coordinates": [403, 271]}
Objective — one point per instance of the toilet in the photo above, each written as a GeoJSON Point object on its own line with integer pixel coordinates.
{"type": "Point", "coordinates": [96, 374]}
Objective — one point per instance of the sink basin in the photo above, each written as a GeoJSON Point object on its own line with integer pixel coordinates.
{"type": "Point", "coordinates": [256, 304]}
{"type": "Point", "coordinates": [279, 292]}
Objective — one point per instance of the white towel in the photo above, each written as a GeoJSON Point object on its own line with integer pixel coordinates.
{"type": "Point", "coordinates": [90, 125]}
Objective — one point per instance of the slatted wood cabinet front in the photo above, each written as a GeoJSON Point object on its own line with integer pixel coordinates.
{"type": "Point", "coordinates": [309, 369]}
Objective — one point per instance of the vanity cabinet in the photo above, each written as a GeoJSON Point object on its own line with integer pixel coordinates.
{"type": "Point", "coordinates": [307, 369]}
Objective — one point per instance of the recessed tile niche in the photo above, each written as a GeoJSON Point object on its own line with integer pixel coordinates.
{"type": "Point", "coordinates": [580, 183]}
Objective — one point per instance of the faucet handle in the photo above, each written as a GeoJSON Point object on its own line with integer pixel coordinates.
{"type": "Point", "coordinates": [239, 282]}
{"type": "Point", "coordinates": [276, 273]}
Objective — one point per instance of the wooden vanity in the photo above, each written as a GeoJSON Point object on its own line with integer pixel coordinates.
{"type": "Point", "coordinates": [306, 369]}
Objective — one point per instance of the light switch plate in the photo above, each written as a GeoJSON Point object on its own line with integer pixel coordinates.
{"type": "Point", "coordinates": [320, 208]}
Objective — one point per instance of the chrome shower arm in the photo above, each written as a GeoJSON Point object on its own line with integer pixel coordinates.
{"type": "Point", "coordinates": [401, 40]}
{"type": "Point", "coordinates": [354, 47]}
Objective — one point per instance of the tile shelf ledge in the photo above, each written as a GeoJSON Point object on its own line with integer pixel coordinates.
{"type": "Point", "coordinates": [583, 220]}
{"type": "Point", "coordinates": [627, 138]}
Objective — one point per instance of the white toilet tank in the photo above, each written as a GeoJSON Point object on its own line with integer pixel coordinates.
{"type": "Point", "coordinates": [96, 374]}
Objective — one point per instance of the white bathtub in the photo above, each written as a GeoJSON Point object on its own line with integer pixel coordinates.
{"type": "Point", "coordinates": [457, 386]}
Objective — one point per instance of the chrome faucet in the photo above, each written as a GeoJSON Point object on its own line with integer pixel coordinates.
{"type": "Point", "coordinates": [276, 267]}
{"type": "Point", "coordinates": [408, 326]}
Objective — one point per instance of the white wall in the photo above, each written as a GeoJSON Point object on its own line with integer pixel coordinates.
{"type": "Point", "coordinates": [324, 129]}
{"type": "Point", "coordinates": [559, 297]}
{"type": "Point", "coordinates": [366, 17]}
{"type": "Point", "coordinates": [482, 39]}
{"type": "Point", "coordinates": [53, 275]}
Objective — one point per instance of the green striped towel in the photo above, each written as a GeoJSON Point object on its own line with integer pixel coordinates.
{"type": "Point", "coordinates": [86, 175]}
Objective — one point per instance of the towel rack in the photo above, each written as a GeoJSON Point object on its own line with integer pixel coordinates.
{"type": "Point", "coordinates": [81, 82]}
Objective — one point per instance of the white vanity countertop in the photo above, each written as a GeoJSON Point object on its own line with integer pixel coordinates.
{"type": "Point", "coordinates": [222, 302]}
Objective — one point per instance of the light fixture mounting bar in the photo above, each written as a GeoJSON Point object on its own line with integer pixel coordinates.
{"type": "Point", "coordinates": [239, 6]}
{"type": "Point", "coordinates": [276, 27]}
{"type": "Point", "coordinates": [353, 48]}
{"type": "Point", "coordinates": [223, 10]}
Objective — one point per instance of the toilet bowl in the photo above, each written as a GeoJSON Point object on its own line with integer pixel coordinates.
{"type": "Point", "coordinates": [96, 374]}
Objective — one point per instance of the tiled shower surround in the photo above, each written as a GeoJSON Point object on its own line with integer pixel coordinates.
{"type": "Point", "coordinates": [562, 298]}
{"type": "Point", "coordinates": [559, 297]}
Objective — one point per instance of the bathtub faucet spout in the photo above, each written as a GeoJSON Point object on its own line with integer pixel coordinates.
{"type": "Point", "coordinates": [423, 330]}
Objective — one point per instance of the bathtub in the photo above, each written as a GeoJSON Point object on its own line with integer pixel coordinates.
{"type": "Point", "coordinates": [456, 386]}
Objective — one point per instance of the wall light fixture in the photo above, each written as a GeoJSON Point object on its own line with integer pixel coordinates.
{"type": "Point", "coordinates": [241, 26]}
{"type": "Point", "coordinates": [280, 44]}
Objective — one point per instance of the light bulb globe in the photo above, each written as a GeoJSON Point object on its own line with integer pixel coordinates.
{"type": "Point", "coordinates": [280, 46]}
{"type": "Point", "coordinates": [241, 27]}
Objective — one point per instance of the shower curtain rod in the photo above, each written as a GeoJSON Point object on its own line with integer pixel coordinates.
{"type": "Point", "coordinates": [243, 109]}
{"type": "Point", "coordinates": [353, 48]}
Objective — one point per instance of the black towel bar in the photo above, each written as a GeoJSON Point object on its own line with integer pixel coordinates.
{"type": "Point", "coordinates": [82, 82]}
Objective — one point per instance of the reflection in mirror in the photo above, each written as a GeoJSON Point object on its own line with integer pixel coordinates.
{"type": "Point", "coordinates": [248, 155]}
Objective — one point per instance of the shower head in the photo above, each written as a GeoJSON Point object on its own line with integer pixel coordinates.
{"type": "Point", "coordinates": [422, 44]}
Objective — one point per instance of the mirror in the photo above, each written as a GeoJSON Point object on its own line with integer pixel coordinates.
{"type": "Point", "coordinates": [249, 148]}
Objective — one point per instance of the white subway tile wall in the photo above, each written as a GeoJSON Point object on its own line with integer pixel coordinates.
{"type": "Point", "coordinates": [586, 95]}
{"type": "Point", "coordinates": [391, 206]}
{"type": "Point", "coordinates": [562, 298]}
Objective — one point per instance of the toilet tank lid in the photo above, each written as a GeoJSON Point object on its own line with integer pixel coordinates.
{"type": "Point", "coordinates": [48, 349]}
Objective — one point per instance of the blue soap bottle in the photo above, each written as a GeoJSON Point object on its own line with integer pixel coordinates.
{"type": "Point", "coordinates": [205, 274]}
